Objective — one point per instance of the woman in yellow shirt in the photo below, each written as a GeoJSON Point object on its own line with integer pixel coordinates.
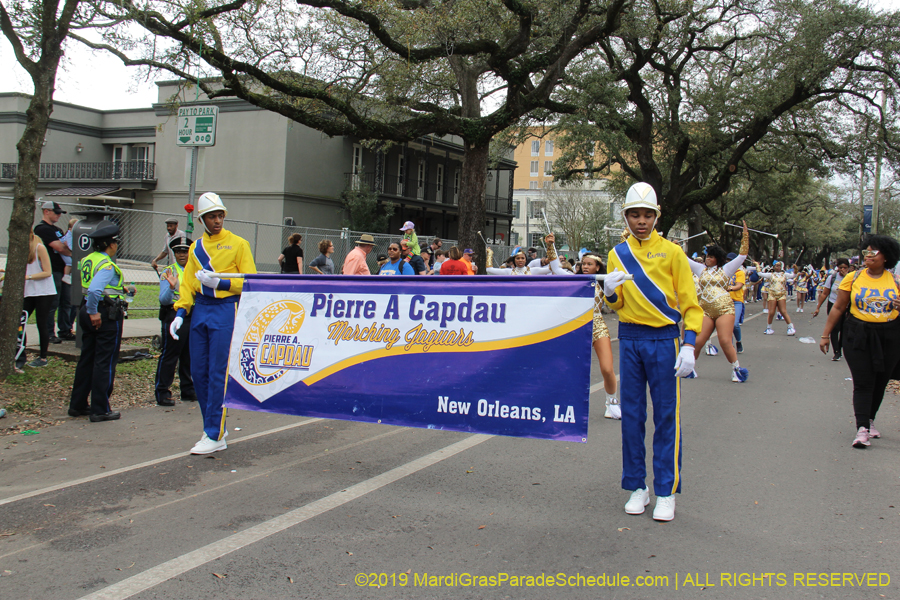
{"type": "Point", "coordinates": [871, 332]}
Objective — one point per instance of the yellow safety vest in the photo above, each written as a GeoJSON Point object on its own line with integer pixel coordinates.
{"type": "Point", "coordinates": [88, 267]}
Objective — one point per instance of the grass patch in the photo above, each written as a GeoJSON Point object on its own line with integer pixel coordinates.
{"type": "Point", "coordinates": [44, 391]}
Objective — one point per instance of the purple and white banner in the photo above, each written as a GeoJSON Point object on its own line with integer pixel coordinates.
{"type": "Point", "coordinates": [495, 355]}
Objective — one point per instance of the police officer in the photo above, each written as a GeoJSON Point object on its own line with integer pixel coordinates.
{"type": "Point", "coordinates": [174, 352]}
{"type": "Point", "coordinates": [100, 322]}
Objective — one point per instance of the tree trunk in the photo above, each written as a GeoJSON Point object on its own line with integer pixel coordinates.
{"type": "Point", "coordinates": [472, 212]}
{"type": "Point", "coordinates": [30, 146]}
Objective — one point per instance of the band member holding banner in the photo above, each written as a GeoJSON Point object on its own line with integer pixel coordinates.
{"type": "Point", "coordinates": [175, 352]}
{"type": "Point", "coordinates": [650, 309]}
{"type": "Point", "coordinates": [713, 277]}
{"type": "Point", "coordinates": [211, 302]}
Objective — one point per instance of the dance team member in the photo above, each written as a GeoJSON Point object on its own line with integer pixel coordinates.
{"type": "Point", "coordinates": [520, 260]}
{"type": "Point", "coordinates": [776, 283]}
{"type": "Point", "coordinates": [211, 303]}
{"type": "Point", "coordinates": [650, 309]}
{"type": "Point", "coordinates": [713, 281]}
{"type": "Point", "coordinates": [800, 288]}
{"type": "Point", "coordinates": [592, 265]}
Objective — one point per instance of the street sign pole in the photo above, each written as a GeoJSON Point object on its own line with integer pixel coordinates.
{"type": "Point", "coordinates": [195, 157]}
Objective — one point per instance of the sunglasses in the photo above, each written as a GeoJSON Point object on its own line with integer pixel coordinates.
{"type": "Point", "coordinates": [869, 253]}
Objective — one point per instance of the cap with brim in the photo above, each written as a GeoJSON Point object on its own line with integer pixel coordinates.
{"type": "Point", "coordinates": [110, 231]}
{"type": "Point", "coordinates": [180, 242]}
{"type": "Point", "coordinates": [53, 206]}
{"type": "Point", "coordinates": [366, 239]}
{"type": "Point", "coordinates": [468, 251]}
{"type": "Point", "coordinates": [408, 225]}
{"type": "Point", "coordinates": [731, 256]}
{"type": "Point", "coordinates": [172, 220]}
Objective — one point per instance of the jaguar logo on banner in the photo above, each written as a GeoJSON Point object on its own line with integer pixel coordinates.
{"type": "Point", "coordinates": [272, 346]}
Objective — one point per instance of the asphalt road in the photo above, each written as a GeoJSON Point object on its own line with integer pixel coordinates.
{"type": "Point", "coordinates": [775, 502]}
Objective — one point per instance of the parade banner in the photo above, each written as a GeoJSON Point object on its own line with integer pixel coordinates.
{"type": "Point", "coordinates": [496, 355]}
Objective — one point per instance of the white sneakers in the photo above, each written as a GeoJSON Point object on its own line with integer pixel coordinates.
{"type": "Point", "coordinates": [665, 508]}
{"type": "Point", "coordinates": [665, 505]}
{"type": "Point", "coordinates": [639, 499]}
{"type": "Point", "coordinates": [765, 311]}
{"type": "Point", "coordinates": [613, 410]}
{"type": "Point", "coordinates": [791, 330]}
{"type": "Point", "coordinates": [769, 331]}
{"type": "Point", "coordinates": [207, 445]}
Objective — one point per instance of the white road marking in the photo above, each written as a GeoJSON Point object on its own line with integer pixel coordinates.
{"type": "Point", "coordinates": [149, 463]}
{"type": "Point", "coordinates": [182, 564]}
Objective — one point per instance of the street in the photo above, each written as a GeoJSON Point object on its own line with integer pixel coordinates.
{"type": "Point", "coordinates": [775, 502]}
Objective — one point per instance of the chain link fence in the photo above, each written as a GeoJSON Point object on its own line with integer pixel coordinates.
{"type": "Point", "coordinates": [143, 236]}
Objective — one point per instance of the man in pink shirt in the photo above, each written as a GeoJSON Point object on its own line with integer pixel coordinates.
{"type": "Point", "coordinates": [355, 263]}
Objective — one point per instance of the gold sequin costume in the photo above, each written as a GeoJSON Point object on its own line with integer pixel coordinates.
{"type": "Point", "coordinates": [712, 286]}
{"type": "Point", "coordinates": [800, 286]}
{"type": "Point", "coordinates": [600, 328]}
{"type": "Point", "coordinates": [713, 295]}
{"type": "Point", "coordinates": [777, 286]}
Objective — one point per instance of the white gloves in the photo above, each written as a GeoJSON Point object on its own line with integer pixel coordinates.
{"type": "Point", "coordinates": [206, 278]}
{"type": "Point", "coordinates": [175, 326]}
{"type": "Point", "coordinates": [612, 281]}
{"type": "Point", "coordinates": [684, 364]}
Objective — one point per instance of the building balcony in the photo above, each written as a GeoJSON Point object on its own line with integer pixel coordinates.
{"type": "Point", "coordinates": [431, 194]}
{"type": "Point", "coordinates": [119, 171]}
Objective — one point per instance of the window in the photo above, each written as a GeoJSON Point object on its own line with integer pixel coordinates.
{"type": "Point", "coordinates": [420, 180]}
{"type": "Point", "coordinates": [439, 185]}
{"type": "Point", "coordinates": [118, 158]}
{"type": "Point", "coordinates": [548, 167]}
{"type": "Point", "coordinates": [534, 168]}
{"type": "Point", "coordinates": [516, 205]}
{"type": "Point", "coordinates": [548, 148]}
{"type": "Point", "coordinates": [513, 238]}
{"type": "Point", "coordinates": [536, 207]}
{"type": "Point", "coordinates": [356, 167]}
{"type": "Point", "coordinates": [535, 147]}
{"type": "Point", "coordinates": [456, 176]}
{"type": "Point", "coordinates": [537, 241]}
{"type": "Point", "coordinates": [532, 185]}
{"type": "Point", "coordinates": [401, 173]}
{"type": "Point", "coordinates": [140, 168]}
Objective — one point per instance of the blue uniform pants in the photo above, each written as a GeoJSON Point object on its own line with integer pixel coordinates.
{"type": "Point", "coordinates": [645, 360]}
{"type": "Point", "coordinates": [212, 323]}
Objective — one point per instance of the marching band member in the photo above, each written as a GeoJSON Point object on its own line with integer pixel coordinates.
{"type": "Point", "coordinates": [211, 303]}
{"type": "Point", "coordinates": [650, 309]}
{"type": "Point", "coordinates": [713, 281]}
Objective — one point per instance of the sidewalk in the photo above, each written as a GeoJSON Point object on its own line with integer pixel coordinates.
{"type": "Point", "coordinates": [133, 328]}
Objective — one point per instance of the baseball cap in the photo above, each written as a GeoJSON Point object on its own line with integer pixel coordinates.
{"type": "Point", "coordinates": [731, 256]}
{"type": "Point", "coordinates": [468, 251]}
{"type": "Point", "coordinates": [48, 205]}
{"type": "Point", "coordinates": [408, 225]}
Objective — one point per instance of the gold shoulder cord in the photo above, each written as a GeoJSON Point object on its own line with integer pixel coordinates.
{"type": "Point", "coordinates": [625, 234]}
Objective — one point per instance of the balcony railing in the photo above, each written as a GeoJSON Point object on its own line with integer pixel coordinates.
{"type": "Point", "coordinates": [433, 192]}
{"type": "Point", "coordinates": [85, 171]}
